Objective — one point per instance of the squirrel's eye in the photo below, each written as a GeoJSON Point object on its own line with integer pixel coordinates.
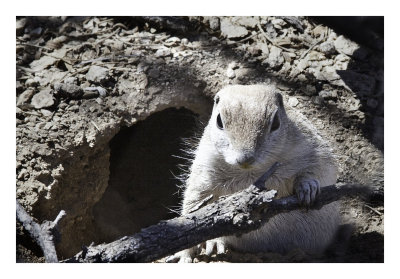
{"type": "Point", "coordinates": [216, 100]}
{"type": "Point", "coordinates": [275, 123]}
{"type": "Point", "coordinates": [219, 122]}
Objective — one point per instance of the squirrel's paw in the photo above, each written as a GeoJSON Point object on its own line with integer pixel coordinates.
{"type": "Point", "coordinates": [215, 243]}
{"type": "Point", "coordinates": [307, 190]}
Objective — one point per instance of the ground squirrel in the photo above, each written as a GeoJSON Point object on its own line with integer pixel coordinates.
{"type": "Point", "coordinates": [250, 129]}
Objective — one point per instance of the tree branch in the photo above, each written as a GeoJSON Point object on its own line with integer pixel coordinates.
{"type": "Point", "coordinates": [239, 213]}
{"type": "Point", "coordinates": [43, 234]}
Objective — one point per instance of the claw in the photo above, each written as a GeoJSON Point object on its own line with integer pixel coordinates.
{"type": "Point", "coordinates": [172, 259]}
{"type": "Point", "coordinates": [215, 243]}
{"type": "Point", "coordinates": [210, 245]}
{"type": "Point", "coordinates": [307, 191]}
{"type": "Point", "coordinates": [314, 190]}
{"type": "Point", "coordinates": [220, 247]}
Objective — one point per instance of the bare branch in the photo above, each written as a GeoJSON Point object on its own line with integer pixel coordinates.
{"type": "Point", "coordinates": [43, 234]}
{"type": "Point", "coordinates": [239, 213]}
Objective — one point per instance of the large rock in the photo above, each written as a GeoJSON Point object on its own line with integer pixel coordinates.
{"type": "Point", "coordinates": [230, 73]}
{"type": "Point", "coordinates": [20, 26]}
{"type": "Point", "coordinates": [68, 90]}
{"type": "Point", "coordinates": [25, 97]}
{"type": "Point", "coordinates": [97, 74]}
{"type": "Point", "coordinates": [43, 63]}
{"type": "Point", "coordinates": [344, 45]}
{"type": "Point", "coordinates": [328, 74]}
{"type": "Point", "coordinates": [327, 48]}
{"type": "Point", "coordinates": [46, 60]}
{"type": "Point", "coordinates": [163, 52]}
{"type": "Point", "coordinates": [246, 21]}
{"type": "Point", "coordinates": [303, 63]}
{"type": "Point", "coordinates": [214, 23]}
{"type": "Point", "coordinates": [275, 58]}
{"type": "Point", "coordinates": [293, 101]}
{"type": "Point", "coordinates": [43, 99]}
{"type": "Point", "coordinates": [231, 30]}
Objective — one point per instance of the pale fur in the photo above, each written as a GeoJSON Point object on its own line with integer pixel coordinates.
{"type": "Point", "coordinates": [247, 113]}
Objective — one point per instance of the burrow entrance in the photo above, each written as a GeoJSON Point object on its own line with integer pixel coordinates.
{"type": "Point", "coordinates": [142, 187]}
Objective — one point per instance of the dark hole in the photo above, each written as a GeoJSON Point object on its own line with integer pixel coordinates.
{"type": "Point", "coordinates": [142, 189]}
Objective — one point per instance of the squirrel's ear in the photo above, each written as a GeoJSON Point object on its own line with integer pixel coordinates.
{"type": "Point", "coordinates": [280, 99]}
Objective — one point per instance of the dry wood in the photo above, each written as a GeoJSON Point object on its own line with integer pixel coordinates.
{"type": "Point", "coordinates": [43, 234]}
{"type": "Point", "coordinates": [239, 213]}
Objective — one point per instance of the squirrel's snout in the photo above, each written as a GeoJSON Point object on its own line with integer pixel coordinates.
{"type": "Point", "coordinates": [246, 160]}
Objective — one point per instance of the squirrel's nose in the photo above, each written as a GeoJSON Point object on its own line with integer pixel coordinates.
{"type": "Point", "coordinates": [246, 160]}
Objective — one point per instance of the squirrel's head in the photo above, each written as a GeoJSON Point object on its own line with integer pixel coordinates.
{"type": "Point", "coordinates": [247, 124]}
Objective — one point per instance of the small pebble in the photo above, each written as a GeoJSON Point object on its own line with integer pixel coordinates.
{"type": "Point", "coordinates": [230, 73]}
{"type": "Point", "coordinates": [293, 101]}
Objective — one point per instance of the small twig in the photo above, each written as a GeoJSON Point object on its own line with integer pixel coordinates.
{"type": "Point", "coordinates": [74, 73]}
{"type": "Point", "coordinates": [104, 59]}
{"type": "Point", "coordinates": [243, 40]}
{"type": "Point", "coordinates": [30, 113]}
{"type": "Point", "coordinates": [99, 59]}
{"type": "Point", "coordinates": [267, 38]}
{"type": "Point", "coordinates": [44, 53]}
{"type": "Point", "coordinates": [107, 37]}
{"type": "Point", "coordinates": [312, 46]}
{"type": "Point", "coordinates": [25, 69]}
{"type": "Point", "coordinates": [265, 34]}
{"type": "Point", "coordinates": [83, 35]}
{"type": "Point", "coordinates": [94, 124]}
{"type": "Point", "coordinates": [119, 24]}
{"type": "Point", "coordinates": [57, 57]}
{"type": "Point", "coordinates": [59, 217]}
{"type": "Point", "coordinates": [373, 209]}
{"type": "Point", "coordinates": [140, 44]}
{"type": "Point", "coordinates": [32, 45]}
{"type": "Point", "coordinates": [248, 38]}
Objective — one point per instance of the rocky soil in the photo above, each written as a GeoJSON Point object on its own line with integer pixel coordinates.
{"type": "Point", "coordinates": [103, 102]}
